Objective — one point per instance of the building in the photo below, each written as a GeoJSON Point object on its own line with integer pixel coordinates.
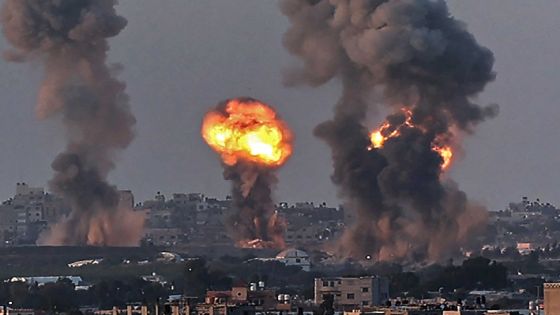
{"type": "Point", "coordinates": [194, 217]}
{"type": "Point", "coordinates": [223, 309]}
{"type": "Point", "coordinates": [418, 311]}
{"type": "Point", "coordinates": [389, 311]}
{"type": "Point", "coordinates": [551, 298]}
{"type": "Point", "coordinates": [525, 248]}
{"type": "Point", "coordinates": [352, 292]}
{"type": "Point", "coordinates": [126, 199]}
{"type": "Point", "coordinates": [8, 225]}
{"type": "Point", "coordinates": [309, 225]}
{"type": "Point", "coordinates": [162, 236]}
{"type": "Point", "coordinates": [24, 216]}
{"type": "Point", "coordinates": [256, 296]}
{"type": "Point", "coordinates": [295, 257]}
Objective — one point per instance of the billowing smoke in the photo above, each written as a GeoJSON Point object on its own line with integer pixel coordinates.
{"type": "Point", "coordinates": [69, 38]}
{"type": "Point", "coordinates": [253, 143]}
{"type": "Point", "coordinates": [254, 223]}
{"type": "Point", "coordinates": [414, 57]}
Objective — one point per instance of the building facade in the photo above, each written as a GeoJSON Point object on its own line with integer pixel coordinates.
{"type": "Point", "coordinates": [294, 257]}
{"type": "Point", "coordinates": [551, 298]}
{"type": "Point", "coordinates": [24, 216]}
{"type": "Point", "coordinates": [352, 292]}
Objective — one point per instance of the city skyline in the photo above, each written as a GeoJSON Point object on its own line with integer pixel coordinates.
{"type": "Point", "coordinates": [298, 157]}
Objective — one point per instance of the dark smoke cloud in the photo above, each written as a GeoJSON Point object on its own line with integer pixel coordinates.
{"type": "Point", "coordinates": [415, 55]}
{"type": "Point", "coordinates": [255, 217]}
{"type": "Point", "coordinates": [69, 37]}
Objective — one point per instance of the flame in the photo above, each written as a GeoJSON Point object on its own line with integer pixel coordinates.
{"type": "Point", "coordinates": [250, 130]}
{"type": "Point", "coordinates": [379, 136]}
{"type": "Point", "coordinates": [446, 154]}
{"type": "Point", "coordinates": [377, 139]}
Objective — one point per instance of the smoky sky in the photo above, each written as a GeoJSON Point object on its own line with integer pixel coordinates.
{"type": "Point", "coordinates": [68, 38]}
{"type": "Point", "coordinates": [179, 57]}
{"type": "Point", "coordinates": [413, 55]}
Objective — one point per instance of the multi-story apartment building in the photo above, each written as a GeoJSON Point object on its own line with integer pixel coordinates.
{"type": "Point", "coordinates": [199, 219]}
{"type": "Point", "coordinates": [309, 224]}
{"type": "Point", "coordinates": [25, 215]}
{"type": "Point", "coordinates": [350, 293]}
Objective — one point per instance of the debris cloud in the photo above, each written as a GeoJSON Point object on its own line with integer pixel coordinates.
{"type": "Point", "coordinates": [423, 64]}
{"type": "Point", "coordinates": [70, 40]}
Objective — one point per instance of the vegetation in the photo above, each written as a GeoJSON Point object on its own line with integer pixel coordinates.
{"type": "Point", "coordinates": [62, 296]}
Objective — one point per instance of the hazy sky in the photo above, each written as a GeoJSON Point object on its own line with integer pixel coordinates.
{"type": "Point", "coordinates": [181, 57]}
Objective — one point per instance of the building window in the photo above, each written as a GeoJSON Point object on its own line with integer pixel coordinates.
{"type": "Point", "coordinates": [365, 303]}
{"type": "Point", "coordinates": [365, 290]}
{"type": "Point", "coordinates": [325, 283]}
{"type": "Point", "coordinates": [331, 284]}
{"type": "Point", "coordinates": [298, 260]}
{"type": "Point", "coordinates": [350, 296]}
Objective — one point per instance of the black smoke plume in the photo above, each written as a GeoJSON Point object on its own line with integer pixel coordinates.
{"type": "Point", "coordinates": [411, 55]}
{"type": "Point", "coordinates": [254, 222]}
{"type": "Point", "coordinates": [70, 39]}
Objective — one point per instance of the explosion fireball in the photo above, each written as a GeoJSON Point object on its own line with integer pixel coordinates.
{"type": "Point", "coordinates": [252, 143]}
{"type": "Point", "coordinates": [248, 130]}
{"type": "Point", "coordinates": [387, 131]}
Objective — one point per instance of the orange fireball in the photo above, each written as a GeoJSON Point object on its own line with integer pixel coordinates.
{"type": "Point", "coordinates": [246, 129]}
{"type": "Point", "coordinates": [383, 133]}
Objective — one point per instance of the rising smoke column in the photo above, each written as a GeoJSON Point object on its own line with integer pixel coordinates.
{"type": "Point", "coordinates": [69, 38]}
{"type": "Point", "coordinates": [427, 68]}
{"type": "Point", "coordinates": [253, 143]}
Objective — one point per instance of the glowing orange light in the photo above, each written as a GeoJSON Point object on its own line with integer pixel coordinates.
{"type": "Point", "coordinates": [446, 154]}
{"type": "Point", "coordinates": [379, 136]}
{"type": "Point", "coordinates": [377, 139]}
{"type": "Point", "coordinates": [250, 130]}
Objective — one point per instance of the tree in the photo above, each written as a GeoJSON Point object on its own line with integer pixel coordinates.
{"type": "Point", "coordinates": [58, 296]}
{"type": "Point", "coordinates": [196, 277]}
{"type": "Point", "coordinates": [403, 282]}
{"type": "Point", "coordinates": [478, 272]}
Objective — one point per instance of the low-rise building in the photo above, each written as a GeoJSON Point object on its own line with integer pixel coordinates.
{"type": "Point", "coordinates": [256, 296]}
